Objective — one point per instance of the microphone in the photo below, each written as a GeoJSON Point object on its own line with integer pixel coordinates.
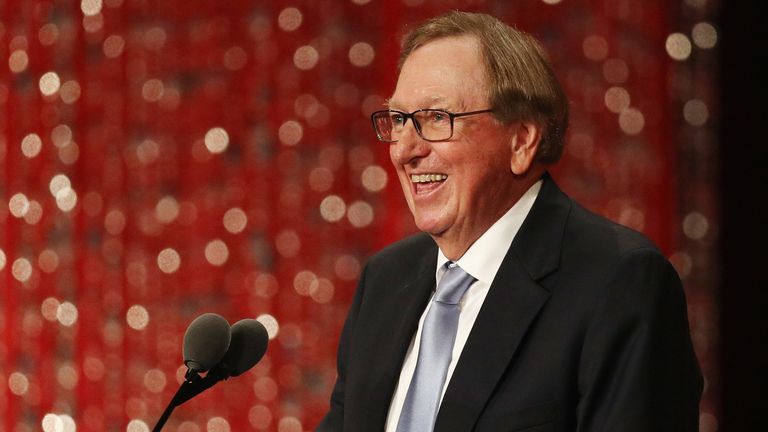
{"type": "Point", "coordinates": [205, 342]}
{"type": "Point", "coordinates": [246, 344]}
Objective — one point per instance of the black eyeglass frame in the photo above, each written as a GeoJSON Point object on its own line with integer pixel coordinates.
{"type": "Point", "coordinates": [416, 124]}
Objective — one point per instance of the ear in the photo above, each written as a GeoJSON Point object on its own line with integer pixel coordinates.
{"type": "Point", "coordinates": [525, 140]}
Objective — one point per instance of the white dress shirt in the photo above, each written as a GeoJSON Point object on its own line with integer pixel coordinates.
{"type": "Point", "coordinates": [482, 260]}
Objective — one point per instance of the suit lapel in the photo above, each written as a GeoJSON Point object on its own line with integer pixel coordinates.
{"type": "Point", "coordinates": [511, 306]}
{"type": "Point", "coordinates": [395, 324]}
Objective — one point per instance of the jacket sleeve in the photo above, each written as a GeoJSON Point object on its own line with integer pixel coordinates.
{"type": "Point", "coordinates": [638, 371]}
{"type": "Point", "coordinates": [334, 419]}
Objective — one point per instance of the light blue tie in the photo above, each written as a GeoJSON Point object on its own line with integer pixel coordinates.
{"type": "Point", "coordinates": [437, 336]}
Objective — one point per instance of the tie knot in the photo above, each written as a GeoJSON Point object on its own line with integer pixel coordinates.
{"type": "Point", "coordinates": [453, 284]}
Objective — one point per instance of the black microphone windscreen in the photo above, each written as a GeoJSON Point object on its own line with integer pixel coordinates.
{"type": "Point", "coordinates": [247, 346]}
{"type": "Point", "coordinates": [206, 341]}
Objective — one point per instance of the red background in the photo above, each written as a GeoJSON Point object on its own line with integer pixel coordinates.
{"type": "Point", "coordinates": [155, 77]}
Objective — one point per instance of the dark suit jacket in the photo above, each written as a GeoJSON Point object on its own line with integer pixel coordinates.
{"type": "Point", "coordinates": [584, 329]}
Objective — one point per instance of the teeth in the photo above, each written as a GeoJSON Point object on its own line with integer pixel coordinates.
{"type": "Point", "coordinates": [425, 178]}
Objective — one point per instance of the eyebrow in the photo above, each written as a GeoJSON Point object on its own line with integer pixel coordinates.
{"type": "Point", "coordinates": [429, 102]}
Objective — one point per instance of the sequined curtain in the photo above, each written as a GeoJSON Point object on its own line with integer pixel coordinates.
{"type": "Point", "coordinates": [162, 159]}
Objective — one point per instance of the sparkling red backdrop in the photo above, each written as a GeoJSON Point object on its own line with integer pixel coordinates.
{"type": "Point", "coordinates": [165, 159]}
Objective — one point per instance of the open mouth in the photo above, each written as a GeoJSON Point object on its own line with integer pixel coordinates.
{"type": "Point", "coordinates": [426, 183]}
{"type": "Point", "coordinates": [428, 178]}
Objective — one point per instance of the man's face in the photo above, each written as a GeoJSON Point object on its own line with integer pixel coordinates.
{"type": "Point", "coordinates": [469, 182]}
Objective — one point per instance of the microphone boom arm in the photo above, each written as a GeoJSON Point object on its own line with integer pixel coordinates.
{"type": "Point", "coordinates": [192, 386]}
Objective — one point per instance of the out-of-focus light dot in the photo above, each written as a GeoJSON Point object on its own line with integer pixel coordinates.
{"type": "Point", "coordinates": [69, 423]}
{"type": "Point", "coordinates": [18, 383]}
{"type": "Point", "coordinates": [265, 388]}
{"type": "Point", "coordinates": [270, 323]}
{"type": "Point", "coordinates": [167, 209]}
{"type": "Point", "coordinates": [551, 2]}
{"type": "Point", "coordinates": [18, 61]}
{"type": "Point", "coordinates": [305, 57]}
{"type": "Point", "coordinates": [58, 183]}
{"type": "Point", "coordinates": [48, 261]}
{"type": "Point", "coordinates": [2, 259]}
{"type": "Point", "coordinates": [34, 214]}
{"type": "Point", "coordinates": [137, 317]}
{"type": "Point", "coordinates": [595, 47]}
{"type": "Point", "coordinates": [289, 19]}
{"type": "Point", "coordinates": [67, 376]}
{"type": "Point", "coordinates": [678, 46]}
{"type": "Point", "coordinates": [361, 54]}
{"type": "Point", "coordinates": [322, 291]}
{"type": "Point", "coordinates": [52, 423]}
{"type": "Point", "coordinates": [631, 121]}
{"type": "Point", "coordinates": [289, 424]}
{"type": "Point", "coordinates": [288, 243]}
{"type": "Point", "coordinates": [113, 46]}
{"type": "Point", "coordinates": [154, 380]}
{"type": "Point", "coordinates": [48, 34]}
{"type": "Point", "coordinates": [18, 205]}
{"type": "Point", "coordinates": [31, 145]}
{"type": "Point", "coordinates": [93, 368]}
{"type": "Point", "coordinates": [90, 7]}
{"type": "Point", "coordinates": [155, 38]}
{"type": "Point", "coordinates": [617, 99]}
{"type": "Point", "coordinates": [695, 112]}
{"type": "Point", "coordinates": [303, 281]}
{"type": "Point", "coordinates": [49, 83]}
{"type": "Point", "coordinates": [70, 92]}
{"type": "Point", "coordinates": [69, 154]}
{"type": "Point", "coordinates": [93, 24]}
{"type": "Point", "coordinates": [305, 105]}
{"type": "Point", "coordinates": [216, 252]}
{"type": "Point", "coordinates": [67, 313]}
{"type": "Point", "coordinates": [290, 133]}
{"type": "Point", "coordinates": [682, 263]}
{"type": "Point", "coordinates": [21, 269]}
{"type": "Point", "coordinates": [235, 220]}
{"type": "Point", "coordinates": [235, 58]}
{"type": "Point", "coordinates": [114, 222]}
{"type": "Point", "coordinates": [152, 90]}
{"type": "Point", "coordinates": [49, 308]}
{"type": "Point", "coordinates": [332, 208]}
{"type": "Point", "coordinates": [360, 214]}
{"type": "Point", "coordinates": [136, 425]}
{"type": "Point", "coordinates": [216, 140]}
{"type": "Point", "coordinates": [374, 178]}
{"type": "Point", "coordinates": [704, 35]}
{"type": "Point", "coordinates": [147, 151]}
{"type": "Point", "coordinates": [168, 260]}
{"type": "Point", "coordinates": [66, 199]}
{"type": "Point", "coordinates": [217, 424]}
{"type": "Point", "coordinates": [260, 417]}
{"type": "Point", "coordinates": [188, 426]}
{"type": "Point", "coordinates": [347, 267]}
{"type": "Point", "coordinates": [615, 71]}
{"type": "Point", "coordinates": [61, 135]}
{"type": "Point", "coordinates": [695, 225]}
{"type": "Point", "coordinates": [320, 179]}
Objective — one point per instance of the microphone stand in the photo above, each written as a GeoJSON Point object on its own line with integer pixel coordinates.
{"type": "Point", "coordinates": [193, 385]}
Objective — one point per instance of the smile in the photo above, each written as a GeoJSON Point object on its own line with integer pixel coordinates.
{"type": "Point", "coordinates": [427, 178]}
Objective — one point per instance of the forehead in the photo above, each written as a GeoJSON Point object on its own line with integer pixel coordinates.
{"type": "Point", "coordinates": [446, 72]}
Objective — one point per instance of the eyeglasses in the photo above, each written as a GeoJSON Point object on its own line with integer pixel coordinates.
{"type": "Point", "coordinates": [430, 124]}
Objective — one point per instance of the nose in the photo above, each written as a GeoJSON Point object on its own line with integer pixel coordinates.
{"type": "Point", "coordinates": [410, 146]}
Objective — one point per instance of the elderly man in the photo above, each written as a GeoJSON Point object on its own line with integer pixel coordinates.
{"type": "Point", "coordinates": [516, 308]}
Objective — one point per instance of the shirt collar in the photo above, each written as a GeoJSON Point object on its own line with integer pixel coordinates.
{"type": "Point", "coordinates": [483, 258]}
